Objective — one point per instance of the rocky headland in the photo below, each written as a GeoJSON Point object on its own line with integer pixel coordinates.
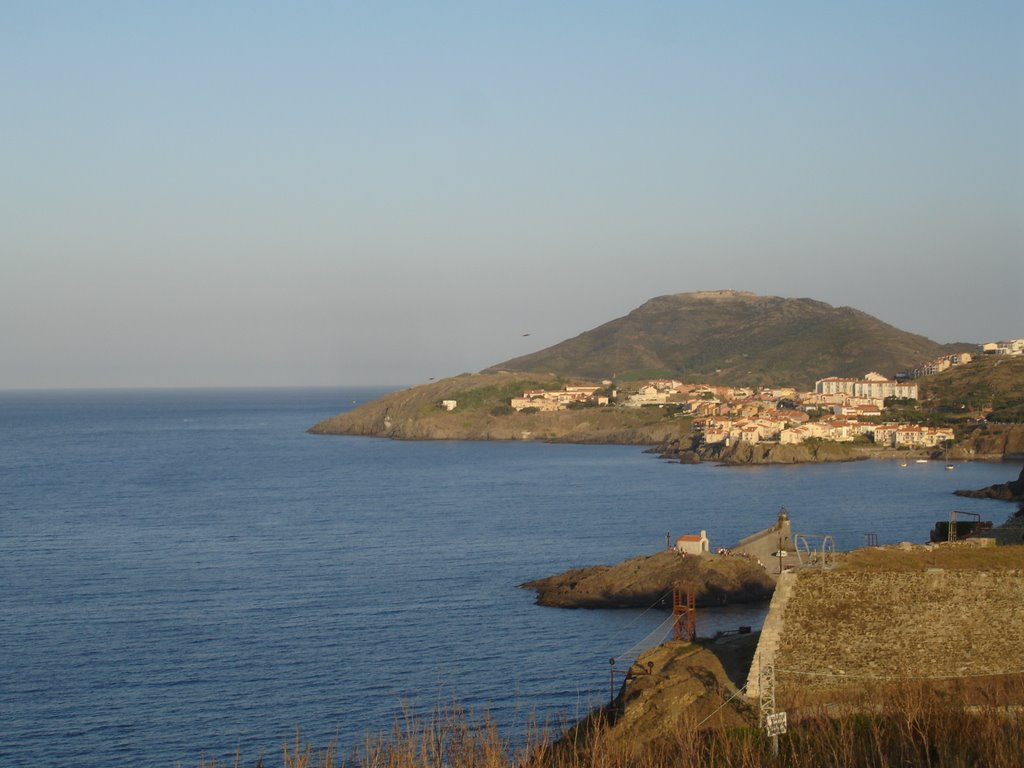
{"type": "Point", "coordinates": [713, 337]}
{"type": "Point", "coordinates": [482, 413]}
{"type": "Point", "coordinates": [647, 580]}
{"type": "Point", "coordinates": [1012, 490]}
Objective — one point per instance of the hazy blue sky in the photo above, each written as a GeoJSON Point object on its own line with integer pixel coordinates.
{"type": "Point", "coordinates": [231, 193]}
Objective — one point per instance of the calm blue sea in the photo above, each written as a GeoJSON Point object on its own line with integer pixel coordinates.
{"type": "Point", "coordinates": [187, 572]}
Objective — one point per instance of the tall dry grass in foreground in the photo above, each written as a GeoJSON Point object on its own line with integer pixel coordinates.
{"type": "Point", "coordinates": [908, 725]}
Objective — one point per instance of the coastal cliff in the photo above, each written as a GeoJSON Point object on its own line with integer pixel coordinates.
{"type": "Point", "coordinates": [990, 442]}
{"type": "Point", "coordinates": [482, 413]}
{"type": "Point", "coordinates": [741, 453]}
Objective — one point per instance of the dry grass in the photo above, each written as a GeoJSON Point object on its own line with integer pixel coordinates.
{"type": "Point", "coordinates": [909, 725]}
{"type": "Point", "coordinates": [958, 556]}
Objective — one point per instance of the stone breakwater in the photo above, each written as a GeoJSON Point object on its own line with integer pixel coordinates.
{"type": "Point", "coordinates": [850, 628]}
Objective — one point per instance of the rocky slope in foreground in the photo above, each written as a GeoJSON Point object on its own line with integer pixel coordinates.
{"type": "Point", "coordinates": [673, 686]}
{"type": "Point", "coordinates": [643, 581]}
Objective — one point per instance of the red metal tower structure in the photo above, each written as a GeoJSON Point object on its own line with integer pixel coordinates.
{"type": "Point", "coordinates": [684, 611]}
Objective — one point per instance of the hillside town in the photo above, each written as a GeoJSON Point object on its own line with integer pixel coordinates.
{"type": "Point", "coordinates": [543, 400]}
{"type": "Point", "coordinates": [838, 409]}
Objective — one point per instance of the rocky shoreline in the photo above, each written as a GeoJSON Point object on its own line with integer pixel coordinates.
{"type": "Point", "coordinates": [647, 580]}
{"type": "Point", "coordinates": [757, 453]}
{"type": "Point", "coordinates": [482, 414]}
{"type": "Point", "coordinates": [1009, 491]}
{"type": "Point", "coordinates": [737, 575]}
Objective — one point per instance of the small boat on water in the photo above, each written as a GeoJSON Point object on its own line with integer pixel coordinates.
{"type": "Point", "coordinates": [950, 466]}
{"type": "Point", "coordinates": [903, 463]}
{"type": "Point", "coordinates": [920, 461]}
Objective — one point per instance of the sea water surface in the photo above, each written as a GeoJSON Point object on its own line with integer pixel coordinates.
{"type": "Point", "coordinates": [184, 573]}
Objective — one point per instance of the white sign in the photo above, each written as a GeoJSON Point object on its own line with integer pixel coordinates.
{"type": "Point", "coordinates": [775, 724]}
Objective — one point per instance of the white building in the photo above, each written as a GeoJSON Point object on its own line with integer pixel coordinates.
{"type": "Point", "coordinates": [1011, 347]}
{"type": "Point", "coordinates": [693, 545]}
{"type": "Point", "coordinates": [938, 365]}
{"type": "Point", "coordinates": [873, 385]}
{"type": "Point", "coordinates": [914, 436]}
{"type": "Point", "coordinates": [648, 395]}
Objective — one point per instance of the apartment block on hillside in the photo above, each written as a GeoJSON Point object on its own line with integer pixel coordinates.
{"type": "Point", "coordinates": [873, 385]}
{"type": "Point", "coordinates": [1011, 347]}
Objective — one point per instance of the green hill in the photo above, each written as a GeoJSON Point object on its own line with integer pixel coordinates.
{"type": "Point", "coordinates": [738, 338]}
{"type": "Point", "coordinates": [483, 414]}
{"type": "Point", "coordinates": [990, 386]}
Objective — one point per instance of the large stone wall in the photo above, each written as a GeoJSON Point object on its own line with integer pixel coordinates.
{"type": "Point", "coordinates": [841, 627]}
{"type": "Point", "coordinates": [771, 632]}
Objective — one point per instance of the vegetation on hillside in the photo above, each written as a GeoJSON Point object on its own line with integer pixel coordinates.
{"type": "Point", "coordinates": [914, 724]}
{"type": "Point", "coordinates": [647, 374]}
{"type": "Point", "coordinates": [483, 413]}
{"type": "Point", "coordinates": [961, 557]}
{"type": "Point", "coordinates": [735, 338]}
{"type": "Point", "coordinates": [990, 386]}
{"type": "Point", "coordinates": [723, 337]}
{"type": "Point", "coordinates": [492, 395]}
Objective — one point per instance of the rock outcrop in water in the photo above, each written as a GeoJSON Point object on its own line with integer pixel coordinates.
{"type": "Point", "coordinates": [647, 580]}
{"type": "Point", "coordinates": [1010, 491]}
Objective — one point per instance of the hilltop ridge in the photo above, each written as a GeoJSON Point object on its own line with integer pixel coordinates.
{"type": "Point", "coordinates": [736, 337]}
{"type": "Point", "coordinates": [970, 411]}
